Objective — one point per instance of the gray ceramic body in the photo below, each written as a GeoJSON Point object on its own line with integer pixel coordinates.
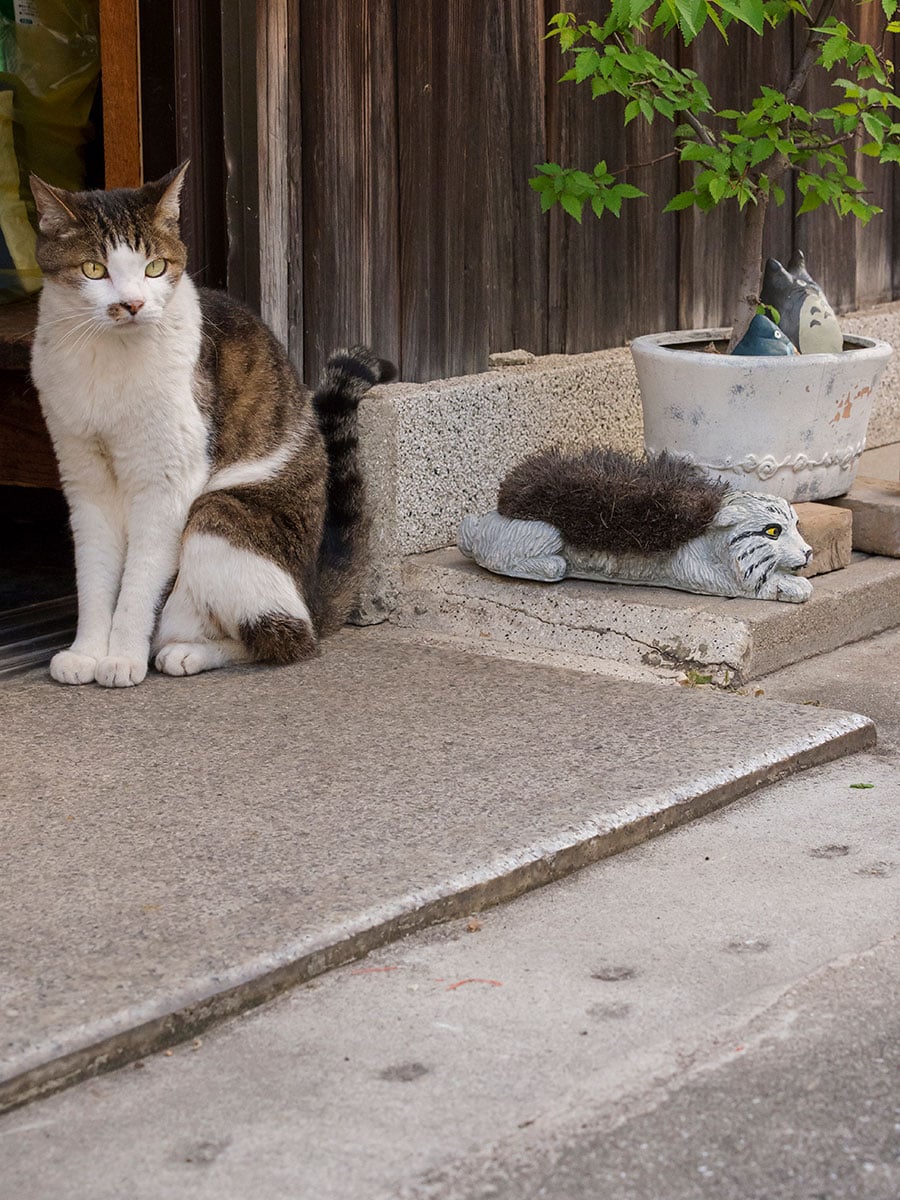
{"type": "Point", "coordinates": [787, 426]}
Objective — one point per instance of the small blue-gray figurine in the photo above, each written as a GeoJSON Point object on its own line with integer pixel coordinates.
{"type": "Point", "coordinates": [763, 337]}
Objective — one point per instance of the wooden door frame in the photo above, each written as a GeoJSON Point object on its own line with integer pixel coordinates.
{"type": "Point", "coordinates": [120, 71]}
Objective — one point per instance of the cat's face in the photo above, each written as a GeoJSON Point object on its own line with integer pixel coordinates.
{"type": "Point", "coordinates": [117, 253]}
{"type": "Point", "coordinates": [762, 537]}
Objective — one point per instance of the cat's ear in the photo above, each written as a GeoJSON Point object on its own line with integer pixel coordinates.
{"type": "Point", "coordinates": [55, 208]}
{"type": "Point", "coordinates": [729, 514]}
{"type": "Point", "coordinates": [168, 190]}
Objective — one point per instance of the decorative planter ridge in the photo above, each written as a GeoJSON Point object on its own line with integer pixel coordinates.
{"type": "Point", "coordinates": [788, 426]}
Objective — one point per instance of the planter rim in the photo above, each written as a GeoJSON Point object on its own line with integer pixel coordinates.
{"type": "Point", "coordinates": [666, 343]}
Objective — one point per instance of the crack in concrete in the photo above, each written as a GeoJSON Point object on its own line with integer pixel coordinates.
{"type": "Point", "coordinates": [669, 658]}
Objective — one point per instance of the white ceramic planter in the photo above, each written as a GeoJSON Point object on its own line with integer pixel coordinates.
{"type": "Point", "coordinates": [790, 426]}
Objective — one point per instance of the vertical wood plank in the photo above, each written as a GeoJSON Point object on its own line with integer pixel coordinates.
{"type": "Point", "coordinates": [199, 137]}
{"type": "Point", "coordinates": [275, 39]}
{"type": "Point", "coordinates": [473, 244]}
{"type": "Point", "coordinates": [240, 139]}
{"type": "Point", "coordinates": [827, 241]}
{"type": "Point", "coordinates": [709, 276]}
{"type": "Point", "coordinates": [121, 79]}
{"type": "Point", "coordinates": [349, 179]}
{"type": "Point", "coordinates": [874, 267]}
{"type": "Point", "coordinates": [610, 279]}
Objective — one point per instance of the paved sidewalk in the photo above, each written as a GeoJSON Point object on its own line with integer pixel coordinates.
{"type": "Point", "coordinates": [181, 851]}
{"type": "Point", "coordinates": [707, 1016]}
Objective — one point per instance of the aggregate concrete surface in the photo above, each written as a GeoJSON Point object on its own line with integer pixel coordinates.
{"type": "Point", "coordinates": [709, 1015]}
{"type": "Point", "coordinates": [180, 850]}
{"type": "Point", "coordinates": [660, 628]}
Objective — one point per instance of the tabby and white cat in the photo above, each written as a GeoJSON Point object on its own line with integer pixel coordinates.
{"type": "Point", "coordinates": [189, 450]}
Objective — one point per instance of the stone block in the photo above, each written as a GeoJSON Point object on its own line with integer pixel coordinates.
{"type": "Point", "coordinates": [875, 505]}
{"type": "Point", "coordinates": [434, 452]}
{"type": "Point", "coordinates": [652, 629]}
{"type": "Point", "coordinates": [829, 531]}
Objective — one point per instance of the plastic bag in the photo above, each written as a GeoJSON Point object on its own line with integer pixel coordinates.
{"type": "Point", "coordinates": [49, 69]}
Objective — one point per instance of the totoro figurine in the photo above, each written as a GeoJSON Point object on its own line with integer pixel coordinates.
{"type": "Point", "coordinates": [806, 317]}
{"type": "Point", "coordinates": [764, 337]}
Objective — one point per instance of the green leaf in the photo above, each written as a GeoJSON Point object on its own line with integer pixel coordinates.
{"type": "Point", "coordinates": [748, 12]}
{"type": "Point", "coordinates": [629, 191]}
{"type": "Point", "coordinates": [614, 203]}
{"type": "Point", "coordinates": [586, 64]}
{"type": "Point", "coordinates": [811, 202]}
{"type": "Point", "coordinates": [760, 151]}
{"type": "Point", "coordinates": [573, 205]}
{"type": "Point", "coordinates": [717, 188]}
{"type": "Point", "coordinates": [682, 200]}
{"type": "Point", "coordinates": [690, 15]}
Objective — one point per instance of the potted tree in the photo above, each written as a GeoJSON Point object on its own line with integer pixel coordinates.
{"type": "Point", "coordinates": [795, 424]}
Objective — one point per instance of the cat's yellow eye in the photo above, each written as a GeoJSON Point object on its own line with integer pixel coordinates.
{"type": "Point", "coordinates": [156, 268]}
{"type": "Point", "coordinates": [93, 270]}
{"type": "Point", "coordinates": [773, 531]}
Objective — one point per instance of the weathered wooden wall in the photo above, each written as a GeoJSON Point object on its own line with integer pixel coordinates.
{"type": "Point", "coordinates": [413, 225]}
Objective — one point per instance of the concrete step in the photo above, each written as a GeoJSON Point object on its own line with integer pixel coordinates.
{"type": "Point", "coordinates": [184, 850]}
{"type": "Point", "coordinates": [667, 632]}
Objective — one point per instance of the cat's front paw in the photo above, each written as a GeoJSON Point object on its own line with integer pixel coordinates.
{"type": "Point", "coordinates": [793, 588]}
{"type": "Point", "coordinates": [114, 671]}
{"type": "Point", "coordinates": [69, 667]}
{"type": "Point", "coordinates": [184, 658]}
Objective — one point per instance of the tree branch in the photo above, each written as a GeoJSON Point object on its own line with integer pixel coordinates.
{"type": "Point", "coordinates": [702, 132]}
{"type": "Point", "coordinates": [651, 163]}
{"type": "Point", "coordinates": [810, 54]}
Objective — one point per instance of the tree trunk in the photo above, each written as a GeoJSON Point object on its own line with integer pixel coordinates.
{"type": "Point", "coordinates": [750, 267]}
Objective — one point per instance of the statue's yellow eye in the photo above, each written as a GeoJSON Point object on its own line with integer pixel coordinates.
{"type": "Point", "coordinates": [93, 270]}
{"type": "Point", "coordinates": [773, 531]}
{"type": "Point", "coordinates": [156, 268]}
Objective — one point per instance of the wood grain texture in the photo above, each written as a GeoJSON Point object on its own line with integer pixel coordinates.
{"type": "Point", "coordinates": [396, 144]}
{"type": "Point", "coordinates": [709, 277]}
{"type": "Point", "coordinates": [120, 74]}
{"type": "Point", "coordinates": [350, 252]}
{"type": "Point", "coordinates": [473, 243]}
{"type": "Point", "coordinates": [275, 48]}
{"type": "Point", "coordinates": [610, 279]}
{"type": "Point", "coordinates": [828, 242]}
{"type": "Point", "coordinates": [874, 268]}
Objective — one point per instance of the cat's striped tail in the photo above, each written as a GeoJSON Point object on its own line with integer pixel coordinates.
{"type": "Point", "coordinates": [343, 554]}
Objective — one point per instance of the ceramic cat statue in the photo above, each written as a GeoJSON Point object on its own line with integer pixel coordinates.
{"type": "Point", "coordinates": [217, 507]}
{"type": "Point", "coordinates": [658, 520]}
{"type": "Point", "coordinates": [805, 316]}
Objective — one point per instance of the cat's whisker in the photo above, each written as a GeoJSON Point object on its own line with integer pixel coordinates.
{"type": "Point", "coordinates": [71, 334]}
{"type": "Point", "coordinates": [89, 329]}
{"type": "Point", "coordinates": [67, 318]}
{"type": "Point", "coordinates": [74, 336]}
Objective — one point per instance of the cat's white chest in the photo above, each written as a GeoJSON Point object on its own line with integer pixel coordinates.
{"type": "Point", "coordinates": [131, 391]}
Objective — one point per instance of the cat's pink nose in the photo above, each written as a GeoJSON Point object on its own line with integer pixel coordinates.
{"type": "Point", "coordinates": [133, 306]}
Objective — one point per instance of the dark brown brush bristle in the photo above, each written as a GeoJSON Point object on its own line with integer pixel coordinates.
{"type": "Point", "coordinates": [604, 499]}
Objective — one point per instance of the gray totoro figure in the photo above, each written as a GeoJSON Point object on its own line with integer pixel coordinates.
{"type": "Point", "coordinates": [806, 317]}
